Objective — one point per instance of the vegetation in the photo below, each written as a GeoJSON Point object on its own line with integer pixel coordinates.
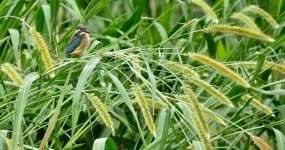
{"type": "Point", "coordinates": [168, 74]}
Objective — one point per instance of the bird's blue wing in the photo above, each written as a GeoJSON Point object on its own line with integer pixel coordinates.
{"type": "Point", "coordinates": [73, 43]}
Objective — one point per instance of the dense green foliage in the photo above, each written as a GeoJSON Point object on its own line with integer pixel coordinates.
{"type": "Point", "coordinates": [130, 41]}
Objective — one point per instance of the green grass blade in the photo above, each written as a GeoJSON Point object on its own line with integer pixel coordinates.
{"type": "Point", "coordinates": [75, 8]}
{"type": "Point", "coordinates": [136, 17]}
{"type": "Point", "coordinates": [234, 142]}
{"type": "Point", "coordinates": [260, 62]}
{"type": "Point", "coordinates": [163, 126]}
{"type": "Point", "coordinates": [56, 113]}
{"type": "Point", "coordinates": [94, 7]}
{"type": "Point", "coordinates": [47, 14]}
{"type": "Point", "coordinates": [3, 4]}
{"type": "Point", "coordinates": [280, 139]}
{"type": "Point", "coordinates": [161, 31]}
{"type": "Point", "coordinates": [54, 11]}
{"type": "Point", "coordinates": [20, 106]}
{"type": "Point", "coordinates": [127, 100]}
{"type": "Point", "coordinates": [86, 72]}
{"type": "Point", "coordinates": [197, 145]}
{"type": "Point", "coordinates": [3, 135]}
{"type": "Point", "coordinates": [15, 38]}
{"type": "Point", "coordinates": [153, 83]}
{"type": "Point", "coordinates": [104, 143]}
{"type": "Point", "coordinates": [11, 22]}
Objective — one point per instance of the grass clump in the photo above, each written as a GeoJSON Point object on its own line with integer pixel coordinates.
{"type": "Point", "coordinates": [146, 44]}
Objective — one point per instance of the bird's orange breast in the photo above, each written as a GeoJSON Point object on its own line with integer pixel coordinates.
{"type": "Point", "coordinates": [83, 45]}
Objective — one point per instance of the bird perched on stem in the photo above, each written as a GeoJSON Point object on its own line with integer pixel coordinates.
{"type": "Point", "coordinates": [78, 42]}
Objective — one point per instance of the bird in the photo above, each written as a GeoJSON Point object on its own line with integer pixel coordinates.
{"type": "Point", "coordinates": [78, 42]}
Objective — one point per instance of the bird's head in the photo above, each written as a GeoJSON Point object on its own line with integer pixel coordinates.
{"type": "Point", "coordinates": [82, 30]}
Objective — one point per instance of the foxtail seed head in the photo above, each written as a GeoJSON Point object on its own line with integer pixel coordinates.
{"type": "Point", "coordinates": [44, 51]}
{"type": "Point", "coordinates": [198, 118]}
{"type": "Point", "coordinates": [141, 100]}
{"type": "Point", "coordinates": [260, 143]}
{"type": "Point", "coordinates": [12, 73]}
{"type": "Point", "coordinates": [239, 31]}
{"type": "Point", "coordinates": [246, 20]}
{"type": "Point", "coordinates": [136, 64]}
{"type": "Point", "coordinates": [207, 9]}
{"type": "Point", "coordinates": [263, 13]}
{"type": "Point", "coordinates": [257, 104]}
{"type": "Point", "coordinates": [214, 92]}
{"type": "Point", "coordinates": [267, 65]}
{"type": "Point", "coordinates": [175, 67]}
{"type": "Point", "coordinates": [221, 68]}
{"type": "Point", "coordinates": [102, 110]}
{"type": "Point", "coordinates": [206, 111]}
{"type": "Point", "coordinates": [274, 66]}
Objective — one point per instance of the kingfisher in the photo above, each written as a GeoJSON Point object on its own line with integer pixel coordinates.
{"type": "Point", "coordinates": [78, 42]}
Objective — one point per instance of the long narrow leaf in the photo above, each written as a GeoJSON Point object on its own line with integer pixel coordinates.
{"type": "Point", "coordinates": [104, 144]}
{"type": "Point", "coordinates": [127, 100]}
{"type": "Point", "coordinates": [56, 113]}
{"type": "Point", "coordinates": [280, 139]}
{"type": "Point", "coordinates": [15, 37]}
{"type": "Point", "coordinates": [20, 106]}
{"type": "Point", "coordinates": [94, 7]}
{"type": "Point", "coordinates": [86, 72]}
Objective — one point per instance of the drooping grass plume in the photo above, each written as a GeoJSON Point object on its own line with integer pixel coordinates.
{"type": "Point", "coordinates": [212, 115]}
{"type": "Point", "coordinates": [207, 9]}
{"type": "Point", "coordinates": [207, 112]}
{"type": "Point", "coordinates": [260, 143]}
{"type": "Point", "coordinates": [44, 51]}
{"type": "Point", "coordinates": [239, 31]}
{"type": "Point", "coordinates": [257, 104]}
{"type": "Point", "coordinates": [246, 20]}
{"type": "Point", "coordinates": [210, 89]}
{"type": "Point", "coordinates": [173, 66]}
{"type": "Point", "coordinates": [257, 10]}
{"type": "Point", "coordinates": [267, 65]}
{"type": "Point", "coordinates": [136, 64]}
{"type": "Point", "coordinates": [102, 110]}
{"type": "Point", "coordinates": [274, 66]}
{"type": "Point", "coordinates": [141, 100]}
{"type": "Point", "coordinates": [221, 68]}
{"type": "Point", "coordinates": [198, 118]}
{"type": "Point", "coordinates": [12, 73]}
{"type": "Point", "coordinates": [192, 75]}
